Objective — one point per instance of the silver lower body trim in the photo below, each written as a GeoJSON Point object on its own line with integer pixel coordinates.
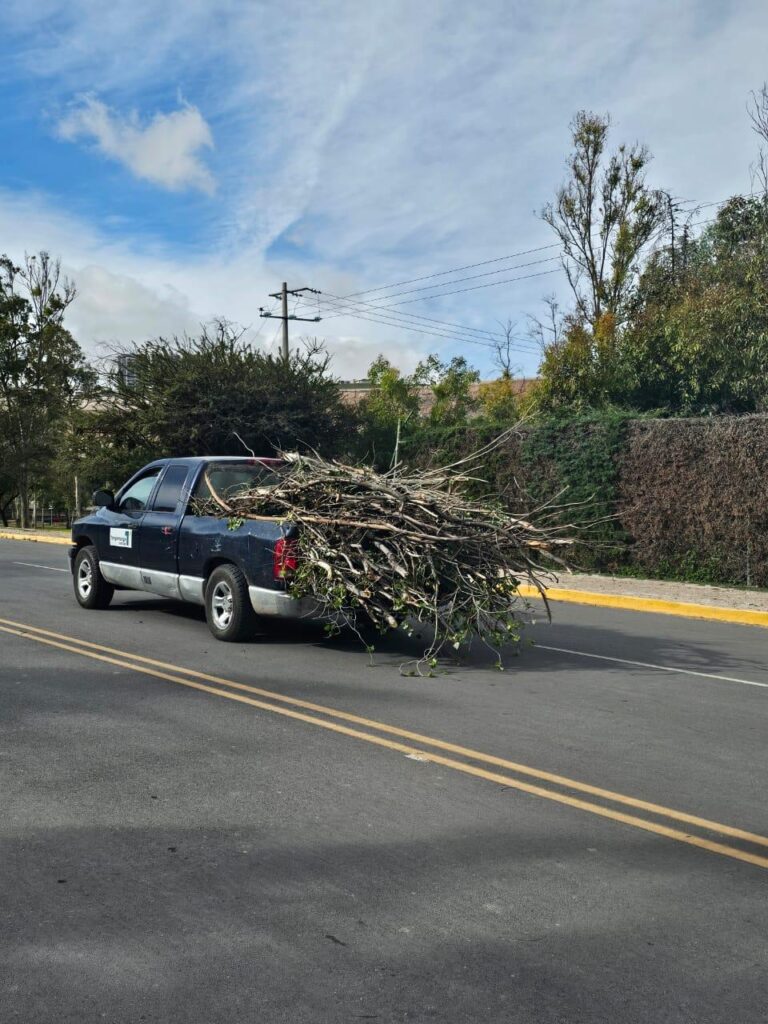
{"type": "Point", "coordinates": [269, 603]}
{"type": "Point", "coordinates": [278, 604]}
{"type": "Point", "coordinates": [164, 584]}
{"type": "Point", "coordinates": [121, 575]}
{"type": "Point", "coordinates": [153, 581]}
{"type": "Point", "coordinates": [192, 588]}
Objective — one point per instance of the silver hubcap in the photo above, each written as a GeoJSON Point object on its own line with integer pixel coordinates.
{"type": "Point", "coordinates": [85, 578]}
{"type": "Point", "coordinates": [222, 605]}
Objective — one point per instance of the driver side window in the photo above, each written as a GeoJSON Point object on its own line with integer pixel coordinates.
{"type": "Point", "coordinates": [136, 497]}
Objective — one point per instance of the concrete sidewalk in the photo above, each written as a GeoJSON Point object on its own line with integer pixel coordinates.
{"type": "Point", "coordinates": [667, 590]}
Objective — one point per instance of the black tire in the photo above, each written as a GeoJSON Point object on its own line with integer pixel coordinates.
{"type": "Point", "coordinates": [91, 589]}
{"type": "Point", "coordinates": [228, 608]}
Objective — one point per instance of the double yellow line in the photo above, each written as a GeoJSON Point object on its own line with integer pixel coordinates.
{"type": "Point", "coordinates": [559, 788]}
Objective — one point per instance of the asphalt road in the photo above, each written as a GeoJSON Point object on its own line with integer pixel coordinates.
{"type": "Point", "coordinates": [585, 845]}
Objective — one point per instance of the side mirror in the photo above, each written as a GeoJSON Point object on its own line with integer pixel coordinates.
{"type": "Point", "coordinates": [103, 499]}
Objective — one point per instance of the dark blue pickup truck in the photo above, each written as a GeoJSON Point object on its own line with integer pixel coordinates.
{"type": "Point", "coordinates": [148, 537]}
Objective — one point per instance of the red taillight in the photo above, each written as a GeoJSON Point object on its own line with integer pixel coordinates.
{"type": "Point", "coordinates": [286, 558]}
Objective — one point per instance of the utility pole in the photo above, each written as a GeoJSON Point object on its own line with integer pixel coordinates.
{"type": "Point", "coordinates": [283, 295]}
{"type": "Point", "coordinates": [673, 208]}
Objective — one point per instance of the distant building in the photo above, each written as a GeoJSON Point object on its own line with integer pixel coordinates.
{"type": "Point", "coordinates": [125, 367]}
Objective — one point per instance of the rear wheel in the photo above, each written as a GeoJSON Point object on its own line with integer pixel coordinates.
{"type": "Point", "coordinates": [228, 605]}
{"type": "Point", "coordinates": [91, 589]}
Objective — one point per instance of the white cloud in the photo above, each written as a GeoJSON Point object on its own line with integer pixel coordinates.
{"type": "Point", "coordinates": [129, 291]}
{"type": "Point", "coordinates": [165, 150]}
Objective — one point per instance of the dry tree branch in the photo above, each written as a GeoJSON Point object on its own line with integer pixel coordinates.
{"type": "Point", "coordinates": [409, 547]}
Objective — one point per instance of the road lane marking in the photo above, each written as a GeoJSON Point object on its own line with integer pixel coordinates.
{"type": "Point", "coordinates": [143, 665]}
{"type": "Point", "coordinates": [648, 664]}
{"type": "Point", "coordinates": [475, 755]}
{"type": "Point", "coordinates": [34, 565]}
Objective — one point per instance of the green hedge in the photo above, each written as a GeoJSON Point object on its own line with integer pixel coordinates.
{"type": "Point", "coordinates": [693, 497]}
{"type": "Point", "coordinates": [685, 498]}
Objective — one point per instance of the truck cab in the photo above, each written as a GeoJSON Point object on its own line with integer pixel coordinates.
{"type": "Point", "coordinates": [150, 537]}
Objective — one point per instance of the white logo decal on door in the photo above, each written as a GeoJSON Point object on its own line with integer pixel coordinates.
{"type": "Point", "coordinates": [120, 538]}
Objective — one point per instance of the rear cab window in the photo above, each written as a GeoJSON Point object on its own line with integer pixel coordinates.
{"type": "Point", "coordinates": [230, 478]}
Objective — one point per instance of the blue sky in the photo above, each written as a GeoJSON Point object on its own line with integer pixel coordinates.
{"type": "Point", "coordinates": [183, 160]}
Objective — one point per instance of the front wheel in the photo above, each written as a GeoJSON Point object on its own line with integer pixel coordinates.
{"type": "Point", "coordinates": [91, 589]}
{"type": "Point", "coordinates": [228, 605]}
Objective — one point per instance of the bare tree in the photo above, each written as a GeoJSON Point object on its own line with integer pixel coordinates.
{"type": "Point", "coordinates": [548, 329]}
{"type": "Point", "coordinates": [504, 348]}
{"type": "Point", "coordinates": [757, 109]}
{"type": "Point", "coordinates": [603, 215]}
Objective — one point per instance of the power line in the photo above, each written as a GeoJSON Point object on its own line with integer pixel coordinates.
{"type": "Point", "coordinates": [437, 334]}
{"type": "Point", "coordinates": [720, 202]}
{"type": "Point", "coordinates": [455, 270]}
{"type": "Point", "coordinates": [339, 302]}
{"type": "Point", "coordinates": [476, 287]}
{"type": "Point", "coordinates": [471, 277]}
{"type": "Point", "coordinates": [263, 325]}
{"type": "Point", "coordinates": [405, 322]}
{"type": "Point", "coordinates": [514, 255]}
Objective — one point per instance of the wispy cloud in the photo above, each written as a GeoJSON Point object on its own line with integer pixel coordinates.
{"type": "Point", "coordinates": [165, 150]}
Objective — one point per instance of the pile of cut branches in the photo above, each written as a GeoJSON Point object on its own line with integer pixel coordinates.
{"type": "Point", "coordinates": [404, 547]}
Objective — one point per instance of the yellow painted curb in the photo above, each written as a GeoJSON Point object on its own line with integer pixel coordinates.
{"type": "Point", "coordinates": [742, 616]}
{"type": "Point", "coordinates": [12, 535]}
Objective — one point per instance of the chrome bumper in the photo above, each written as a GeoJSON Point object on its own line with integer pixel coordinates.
{"type": "Point", "coordinates": [277, 604]}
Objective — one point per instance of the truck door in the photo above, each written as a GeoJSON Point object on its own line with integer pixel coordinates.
{"type": "Point", "coordinates": [118, 541]}
{"type": "Point", "coordinates": [159, 533]}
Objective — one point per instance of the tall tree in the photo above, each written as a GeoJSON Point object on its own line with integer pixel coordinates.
{"type": "Point", "coordinates": [211, 395]}
{"type": "Point", "coordinates": [43, 374]}
{"type": "Point", "coordinates": [696, 338]}
{"type": "Point", "coordinates": [603, 215]}
{"type": "Point", "coordinates": [699, 343]}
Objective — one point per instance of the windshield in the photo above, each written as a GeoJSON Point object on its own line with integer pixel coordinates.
{"type": "Point", "coordinates": [230, 478]}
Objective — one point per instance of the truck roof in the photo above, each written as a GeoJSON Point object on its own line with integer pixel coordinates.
{"type": "Point", "coordinates": [196, 460]}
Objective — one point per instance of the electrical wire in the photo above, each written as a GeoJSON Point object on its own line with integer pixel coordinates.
{"type": "Point", "coordinates": [417, 328]}
{"type": "Point", "coordinates": [404, 324]}
{"type": "Point", "coordinates": [455, 270]}
{"type": "Point", "coordinates": [514, 255]}
{"type": "Point", "coordinates": [476, 287]}
{"type": "Point", "coordinates": [471, 277]}
{"type": "Point", "coordinates": [439, 334]}
{"type": "Point", "coordinates": [339, 301]}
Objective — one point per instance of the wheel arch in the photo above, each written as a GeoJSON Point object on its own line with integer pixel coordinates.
{"type": "Point", "coordinates": [215, 562]}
